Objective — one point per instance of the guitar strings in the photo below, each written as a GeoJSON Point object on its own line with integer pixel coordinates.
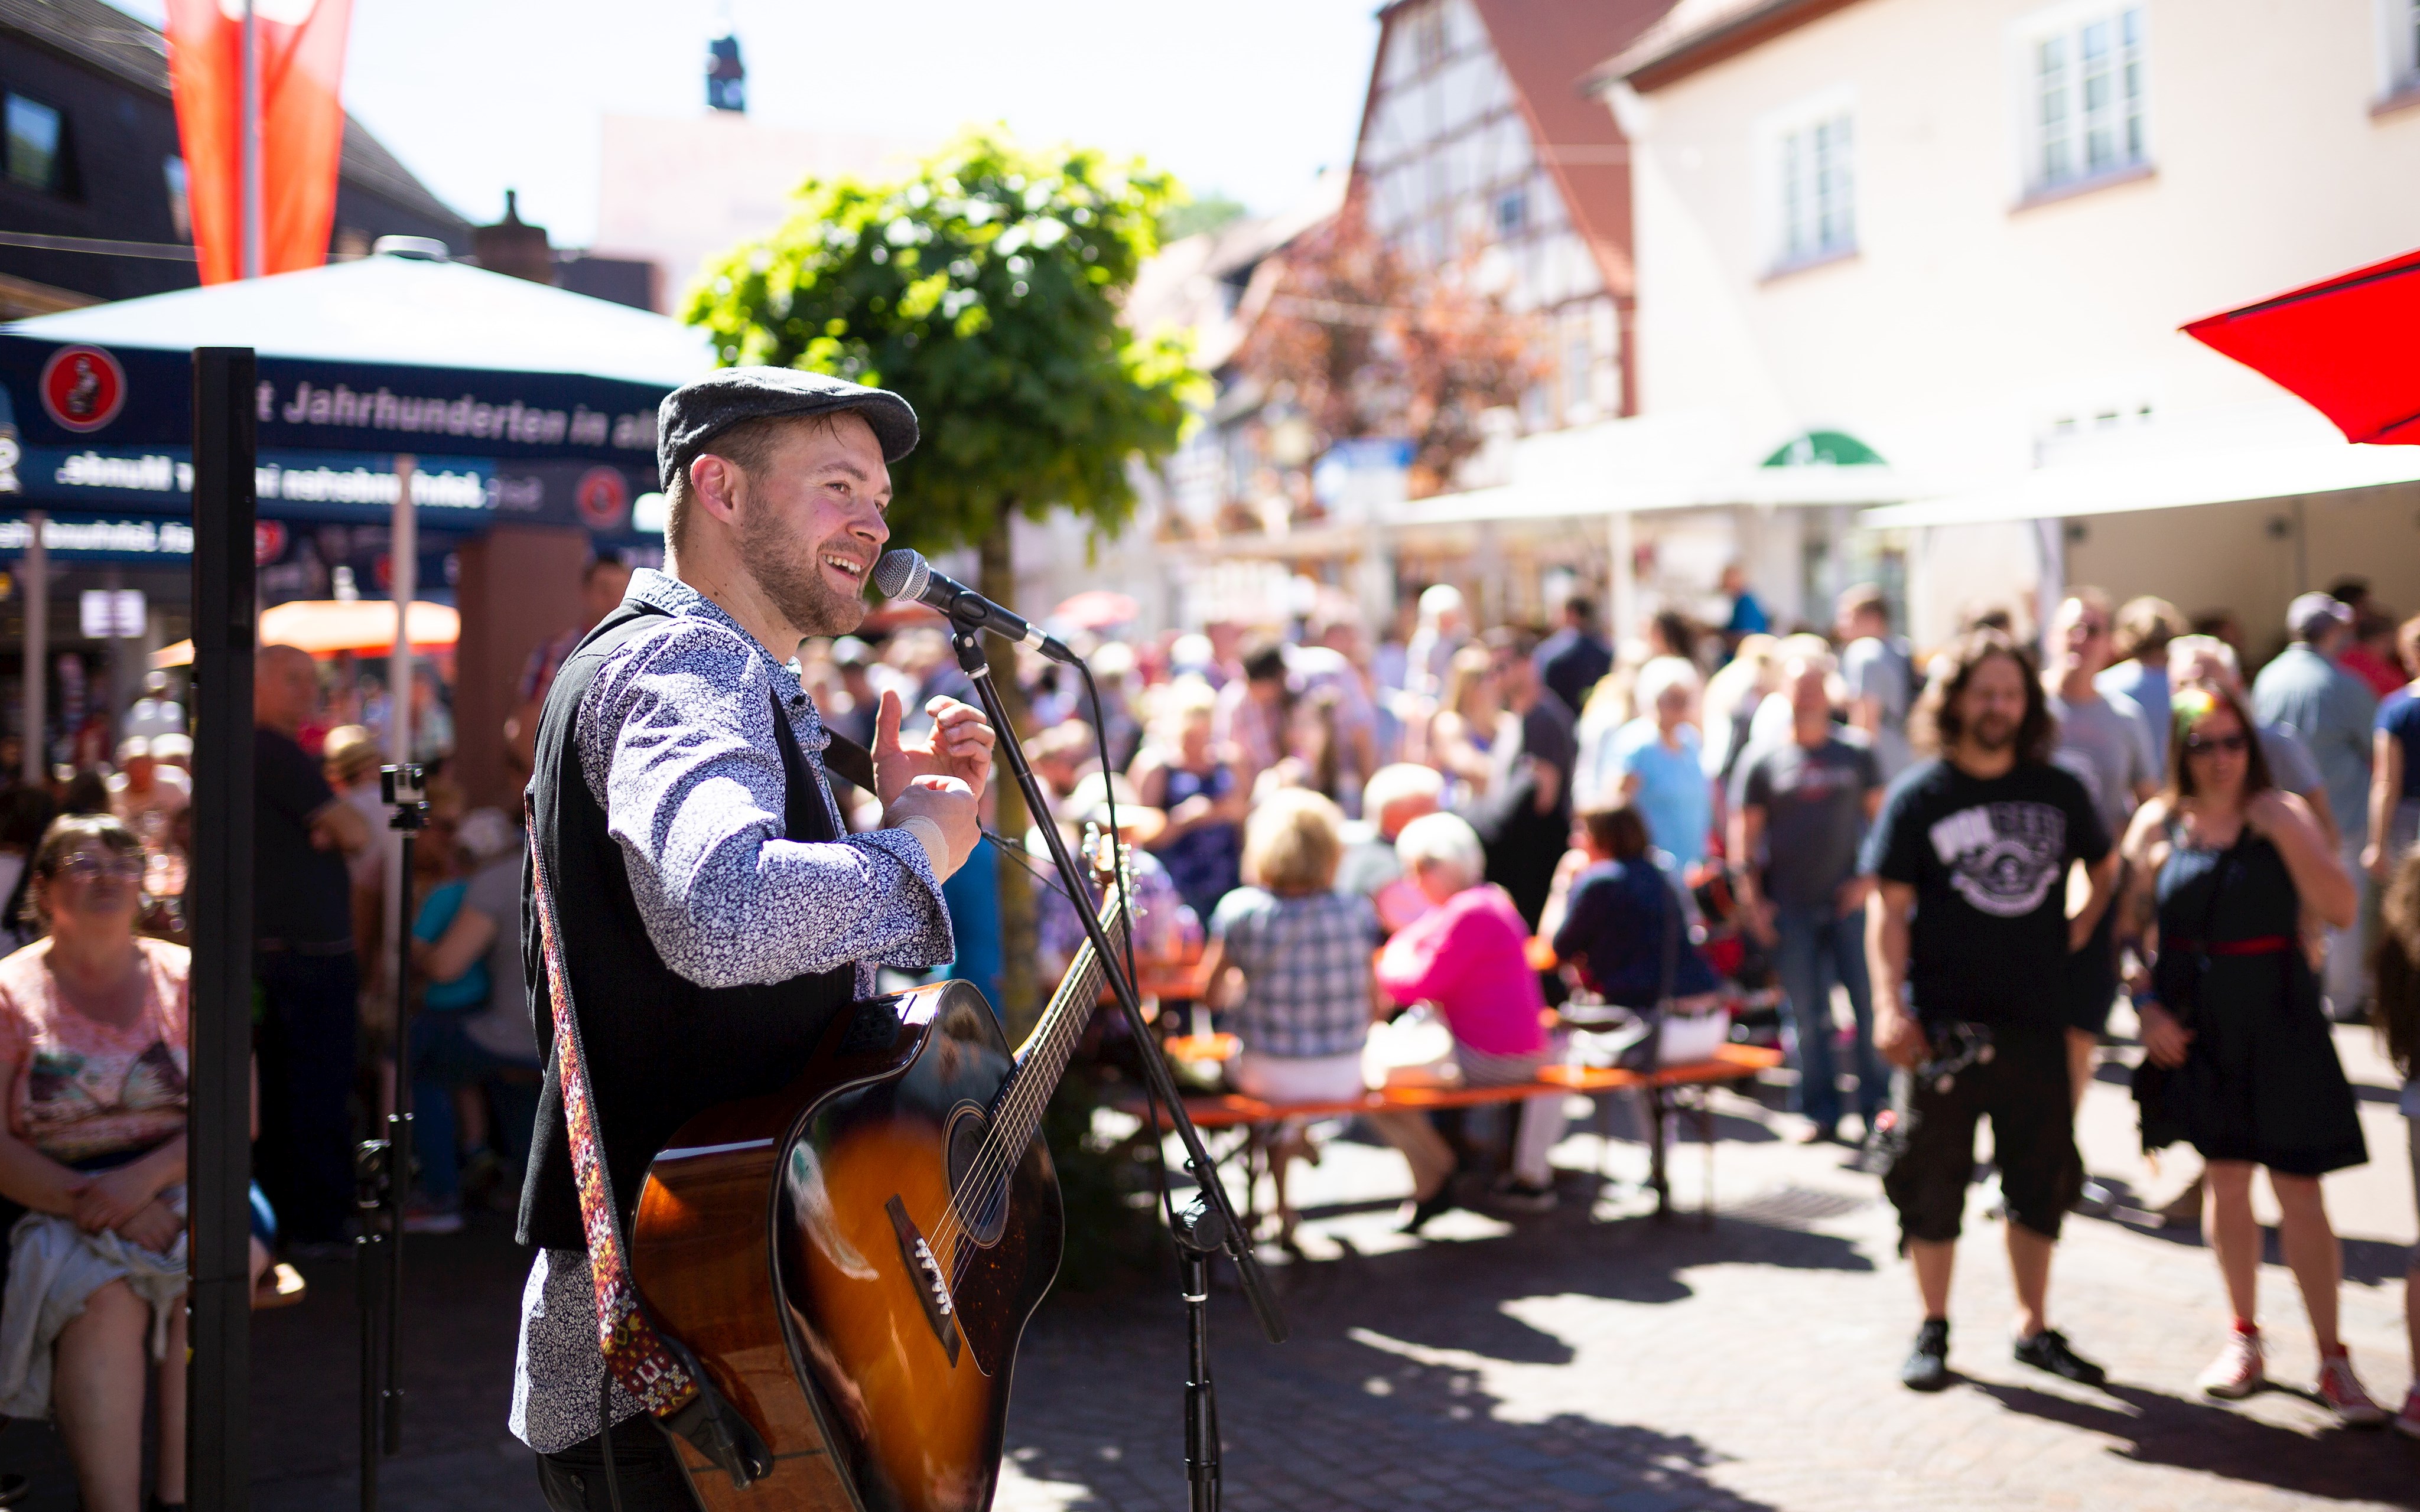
{"type": "Point", "coordinates": [1054, 1036]}
{"type": "Point", "coordinates": [976, 1177]}
{"type": "Point", "coordinates": [1055, 1033]}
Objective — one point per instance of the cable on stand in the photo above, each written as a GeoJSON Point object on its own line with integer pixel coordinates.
{"type": "Point", "coordinates": [383, 1174]}
{"type": "Point", "coordinates": [1208, 1224]}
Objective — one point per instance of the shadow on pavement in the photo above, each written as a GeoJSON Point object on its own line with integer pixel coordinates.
{"type": "Point", "coordinates": [2370, 1261]}
{"type": "Point", "coordinates": [462, 1305]}
{"type": "Point", "coordinates": [1323, 1420]}
{"type": "Point", "coordinates": [1448, 1293]}
{"type": "Point", "coordinates": [2160, 1429]}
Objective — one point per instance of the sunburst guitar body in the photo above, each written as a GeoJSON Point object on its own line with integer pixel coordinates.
{"type": "Point", "coordinates": [853, 1259]}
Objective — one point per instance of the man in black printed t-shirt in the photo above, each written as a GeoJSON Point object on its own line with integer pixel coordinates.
{"type": "Point", "coordinates": [1971, 853]}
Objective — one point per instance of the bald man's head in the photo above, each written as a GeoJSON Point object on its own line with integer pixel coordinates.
{"type": "Point", "coordinates": [285, 688]}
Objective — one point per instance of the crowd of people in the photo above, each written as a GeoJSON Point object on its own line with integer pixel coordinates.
{"type": "Point", "coordinates": [1426, 854]}
{"type": "Point", "coordinates": [1957, 864]}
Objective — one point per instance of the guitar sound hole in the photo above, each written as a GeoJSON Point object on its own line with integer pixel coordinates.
{"type": "Point", "coordinates": [983, 1197]}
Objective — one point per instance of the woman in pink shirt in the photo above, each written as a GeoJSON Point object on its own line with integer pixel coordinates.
{"type": "Point", "coordinates": [1466, 955]}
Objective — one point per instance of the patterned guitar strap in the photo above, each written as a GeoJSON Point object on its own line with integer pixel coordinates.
{"type": "Point", "coordinates": [656, 1371]}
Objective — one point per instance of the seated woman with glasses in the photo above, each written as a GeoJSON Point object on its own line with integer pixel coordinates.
{"type": "Point", "coordinates": [93, 1058]}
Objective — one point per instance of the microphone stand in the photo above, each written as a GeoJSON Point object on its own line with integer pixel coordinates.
{"type": "Point", "coordinates": [382, 1178]}
{"type": "Point", "coordinates": [1209, 1223]}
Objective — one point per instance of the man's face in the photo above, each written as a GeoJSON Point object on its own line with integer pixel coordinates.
{"type": "Point", "coordinates": [1810, 692]}
{"type": "Point", "coordinates": [1514, 676]}
{"type": "Point", "coordinates": [1992, 704]}
{"type": "Point", "coordinates": [602, 593]}
{"type": "Point", "coordinates": [810, 523]}
{"type": "Point", "coordinates": [285, 692]}
{"type": "Point", "coordinates": [1671, 708]}
{"type": "Point", "coordinates": [138, 771]}
{"type": "Point", "coordinates": [2082, 635]}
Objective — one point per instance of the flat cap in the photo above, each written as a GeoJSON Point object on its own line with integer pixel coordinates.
{"type": "Point", "coordinates": [694, 413]}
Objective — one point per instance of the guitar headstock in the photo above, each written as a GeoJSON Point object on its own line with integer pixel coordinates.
{"type": "Point", "coordinates": [1110, 863]}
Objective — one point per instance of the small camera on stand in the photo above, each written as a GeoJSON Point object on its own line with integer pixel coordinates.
{"type": "Point", "coordinates": [406, 783]}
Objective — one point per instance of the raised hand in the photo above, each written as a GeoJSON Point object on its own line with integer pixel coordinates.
{"type": "Point", "coordinates": [958, 745]}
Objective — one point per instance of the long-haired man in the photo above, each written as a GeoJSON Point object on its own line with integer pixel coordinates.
{"type": "Point", "coordinates": [1967, 941]}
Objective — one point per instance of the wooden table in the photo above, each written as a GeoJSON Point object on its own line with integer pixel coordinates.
{"type": "Point", "coordinates": [1670, 1091]}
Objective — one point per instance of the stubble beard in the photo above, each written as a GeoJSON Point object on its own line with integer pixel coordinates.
{"type": "Point", "coordinates": [1993, 733]}
{"type": "Point", "coordinates": [791, 575]}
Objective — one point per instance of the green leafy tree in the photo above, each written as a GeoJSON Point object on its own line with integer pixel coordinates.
{"type": "Point", "coordinates": [985, 287]}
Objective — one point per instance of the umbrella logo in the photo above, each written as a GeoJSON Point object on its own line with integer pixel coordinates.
{"type": "Point", "coordinates": [83, 387]}
{"type": "Point", "coordinates": [603, 499]}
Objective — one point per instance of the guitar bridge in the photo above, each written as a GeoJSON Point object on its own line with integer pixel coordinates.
{"type": "Point", "coordinates": [924, 1270]}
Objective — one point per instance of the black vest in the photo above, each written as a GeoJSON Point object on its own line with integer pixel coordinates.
{"type": "Point", "coordinates": [662, 1049]}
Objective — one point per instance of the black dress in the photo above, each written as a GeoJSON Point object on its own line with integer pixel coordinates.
{"type": "Point", "coordinates": [2261, 1082]}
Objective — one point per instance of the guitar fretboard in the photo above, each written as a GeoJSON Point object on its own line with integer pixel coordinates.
{"type": "Point", "coordinates": [1043, 1059]}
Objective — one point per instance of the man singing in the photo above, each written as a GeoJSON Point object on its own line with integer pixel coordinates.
{"type": "Point", "coordinates": [713, 912]}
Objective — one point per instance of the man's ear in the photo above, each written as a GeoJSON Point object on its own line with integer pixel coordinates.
{"type": "Point", "coordinates": [715, 485]}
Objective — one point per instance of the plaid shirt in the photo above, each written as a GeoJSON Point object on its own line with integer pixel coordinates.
{"type": "Point", "coordinates": [1306, 965]}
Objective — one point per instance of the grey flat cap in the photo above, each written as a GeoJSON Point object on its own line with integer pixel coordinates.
{"type": "Point", "coordinates": [694, 413]}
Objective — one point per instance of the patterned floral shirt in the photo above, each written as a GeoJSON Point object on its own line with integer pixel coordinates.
{"type": "Point", "coordinates": [80, 1089]}
{"type": "Point", "coordinates": [677, 733]}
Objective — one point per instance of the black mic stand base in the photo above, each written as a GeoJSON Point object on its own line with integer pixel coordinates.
{"type": "Point", "coordinates": [1200, 1234]}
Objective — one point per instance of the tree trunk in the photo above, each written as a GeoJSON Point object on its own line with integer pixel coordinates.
{"type": "Point", "coordinates": [1020, 939]}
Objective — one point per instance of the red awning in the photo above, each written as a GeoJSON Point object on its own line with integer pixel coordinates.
{"type": "Point", "coordinates": [2345, 344]}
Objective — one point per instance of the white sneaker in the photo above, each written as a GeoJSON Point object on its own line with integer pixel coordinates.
{"type": "Point", "coordinates": [2407, 1421]}
{"type": "Point", "coordinates": [2341, 1390]}
{"type": "Point", "coordinates": [2238, 1371]}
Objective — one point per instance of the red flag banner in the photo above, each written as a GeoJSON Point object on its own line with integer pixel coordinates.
{"type": "Point", "coordinates": [299, 48]}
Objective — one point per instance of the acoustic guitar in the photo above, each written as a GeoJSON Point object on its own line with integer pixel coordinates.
{"type": "Point", "coordinates": [853, 1259]}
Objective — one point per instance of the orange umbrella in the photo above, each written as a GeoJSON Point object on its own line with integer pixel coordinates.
{"type": "Point", "coordinates": [324, 626]}
{"type": "Point", "coordinates": [1097, 609]}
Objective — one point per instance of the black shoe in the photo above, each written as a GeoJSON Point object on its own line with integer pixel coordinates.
{"type": "Point", "coordinates": [2048, 1351]}
{"type": "Point", "coordinates": [1428, 1208]}
{"type": "Point", "coordinates": [1519, 1197]}
{"type": "Point", "coordinates": [1928, 1368]}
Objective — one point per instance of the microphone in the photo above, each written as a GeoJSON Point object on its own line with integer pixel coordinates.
{"type": "Point", "coordinates": [906, 574]}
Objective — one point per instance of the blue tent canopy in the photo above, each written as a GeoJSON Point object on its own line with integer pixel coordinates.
{"type": "Point", "coordinates": [520, 403]}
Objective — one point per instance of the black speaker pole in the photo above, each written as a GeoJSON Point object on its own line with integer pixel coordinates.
{"type": "Point", "coordinates": [219, 910]}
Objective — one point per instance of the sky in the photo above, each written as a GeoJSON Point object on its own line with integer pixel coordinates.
{"type": "Point", "coordinates": [1246, 98]}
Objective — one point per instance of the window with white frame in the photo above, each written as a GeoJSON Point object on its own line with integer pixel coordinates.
{"type": "Point", "coordinates": [2400, 31]}
{"type": "Point", "coordinates": [2087, 98]}
{"type": "Point", "coordinates": [1818, 183]}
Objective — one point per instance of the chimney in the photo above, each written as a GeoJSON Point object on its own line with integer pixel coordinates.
{"type": "Point", "coordinates": [512, 247]}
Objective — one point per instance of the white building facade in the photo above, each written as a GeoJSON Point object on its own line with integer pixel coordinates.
{"type": "Point", "coordinates": [1965, 233]}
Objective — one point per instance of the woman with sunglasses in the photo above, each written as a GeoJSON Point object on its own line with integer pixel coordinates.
{"type": "Point", "coordinates": [2224, 867]}
{"type": "Point", "coordinates": [93, 1065]}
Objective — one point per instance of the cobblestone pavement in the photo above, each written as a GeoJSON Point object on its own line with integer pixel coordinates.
{"type": "Point", "coordinates": [1592, 1357]}
{"type": "Point", "coordinates": [1596, 1358]}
